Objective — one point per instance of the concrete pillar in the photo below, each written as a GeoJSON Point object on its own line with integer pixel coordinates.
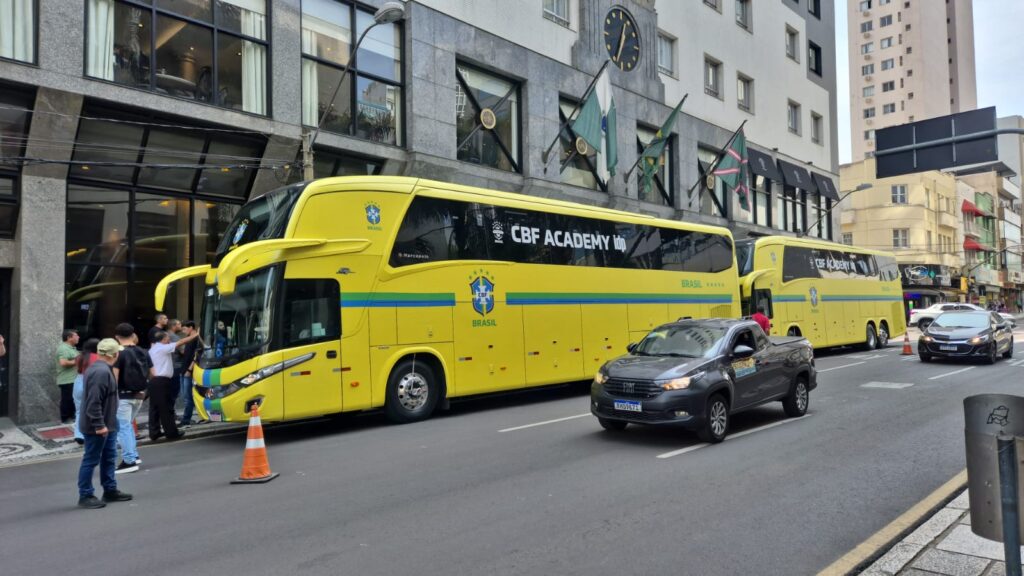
{"type": "Point", "coordinates": [38, 283]}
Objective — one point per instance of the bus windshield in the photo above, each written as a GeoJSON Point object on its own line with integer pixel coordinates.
{"type": "Point", "coordinates": [236, 326]}
{"type": "Point", "coordinates": [262, 218]}
{"type": "Point", "coordinates": [745, 256]}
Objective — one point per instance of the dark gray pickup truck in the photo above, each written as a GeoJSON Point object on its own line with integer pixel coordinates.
{"type": "Point", "coordinates": [697, 373]}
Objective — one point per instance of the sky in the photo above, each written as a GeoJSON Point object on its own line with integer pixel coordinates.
{"type": "Point", "coordinates": [998, 54]}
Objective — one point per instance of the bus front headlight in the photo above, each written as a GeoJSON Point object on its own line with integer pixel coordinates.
{"type": "Point", "coordinates": [254, 377]}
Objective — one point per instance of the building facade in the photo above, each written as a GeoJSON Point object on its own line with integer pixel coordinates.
{"type": "Point", "coordinates": [919, 218]}
{"type": "Point", "coordinates": [909, 60]}
{"type": "Point", "coordinates": [133, 130]}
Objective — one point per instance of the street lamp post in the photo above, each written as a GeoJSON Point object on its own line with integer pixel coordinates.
{"type": "Point", "coordinates": [828, 212]}
{"type": "Point", "coordinates": [388, 13]}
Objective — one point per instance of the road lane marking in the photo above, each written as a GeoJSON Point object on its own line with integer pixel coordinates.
{"type": "Point", "coordinates": [909, 359]}
{"type": "Point", "coordinates": [535, 424]}
{"type": "Point", "coordinates": [891, 385]}
{"type": "Point", "coordinates": [730, 437]}
{"type": "Point", "coordinates": [1017, 363]}
{"type": "Point", "coordinates": [865, 356]}
{"type": "Point", "coordinates": [884, 538]}
{"type": "Point", "coordinates": [953, 372]}
{"type": "Point", "coordinates": [843, 366]}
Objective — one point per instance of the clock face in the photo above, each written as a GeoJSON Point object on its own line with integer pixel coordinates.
{"type": "Point", "coordinates": [622, 39]}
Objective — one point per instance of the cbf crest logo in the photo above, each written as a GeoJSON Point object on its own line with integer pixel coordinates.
{"type": "Point", "coordinates": [373, 213]}
{"type": "Point", "coordinates": [481, 286]}
{"type": "Point", "coordinates": [814, 296]}
{"type": "Point", "coordinates": [240, 232]}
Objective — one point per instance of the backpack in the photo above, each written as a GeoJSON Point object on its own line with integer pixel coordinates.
{"type": "Point", "coordinates": [134, 370]}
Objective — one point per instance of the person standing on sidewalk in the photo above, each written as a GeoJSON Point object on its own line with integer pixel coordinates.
{"type": "Point", "coordinates": [189, 356]}
{"type": "Point", "coordinates": [98, 425]}
{"type": "Point", "coordinates": [175, 334]}
{"type": "Point", "coordinates": [66, 362]}
{"type": "Point", "coordinates": [132, 371]}
{"type": "Point", "coordinates": [161, 410]}
{"type": "Point", "coordinates": [160, 325]}
{"type": "Point", "coordinates": [85, 359]}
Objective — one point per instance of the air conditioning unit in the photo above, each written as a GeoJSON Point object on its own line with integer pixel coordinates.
{"type": "Point", "coordinates": [868, 77]}
{"type": "Point", "coordinates": [869, 100]}
{"type": "Point", "coordinates": [867, 34]}
{"type": "Point", "coordinates": [865, 13]}
{"type": "Point", "coordinates": [867, 57]}
{"type": "Point", "coordinates": [869, 121]}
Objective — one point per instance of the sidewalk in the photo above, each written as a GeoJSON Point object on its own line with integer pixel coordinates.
{"type": "Point", "coordinates": [945, 545]}
{"type": "Point", "coordinates": [20, 444]}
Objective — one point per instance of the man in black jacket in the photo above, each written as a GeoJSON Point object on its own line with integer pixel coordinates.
{"type": "Point", "coordinates": [98, 423]}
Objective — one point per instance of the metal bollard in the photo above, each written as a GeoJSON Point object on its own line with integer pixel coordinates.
{"type": "Point", "coordinates": [1007, 447]}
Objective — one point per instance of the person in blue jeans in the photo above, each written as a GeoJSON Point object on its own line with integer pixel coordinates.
{"type": "Point", "coordinates": [99, 426]}
{"type": "Point", "coordinates": [87, 357]}
{"type": "Point", "coordinates": [189, 355]}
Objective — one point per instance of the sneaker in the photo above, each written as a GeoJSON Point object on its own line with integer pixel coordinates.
{"type": "Point", "coordinates": [181, 434]}
{"type": "Point", "coordinates": [116, 496]}
{"type": "Point", "coordinates": [124, 467]}
{"type": "Point", "coordinates": [90, 502]}
{"type": "Point", "coordinates": [80, 441]}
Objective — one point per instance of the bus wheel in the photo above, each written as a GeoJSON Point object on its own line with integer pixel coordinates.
{"type": "Point", "coordinates": [412, 392]}
{"type": "Point", "coordinates": [883, 335]}
{"type": "Point", "coordinates": [794, 331]}
{"type": "Point", "coordinates": [871, 338]}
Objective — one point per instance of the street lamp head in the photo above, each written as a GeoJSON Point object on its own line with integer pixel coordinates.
{"type": "Point", "coordinates": [862, 187]}
{"type": "Point", "coordinates": [389, 12]}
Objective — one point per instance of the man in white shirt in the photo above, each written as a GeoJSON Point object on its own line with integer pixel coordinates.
{"type": "Point", "coordinates": [161, 406]}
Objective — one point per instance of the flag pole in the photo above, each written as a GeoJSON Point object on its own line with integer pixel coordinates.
{"type": "Point", "coordinates": [640, 156]}
{"type": "Point", "coordinates": [544, 155]}
{"type": "Point", "coordinates": [711, 169]}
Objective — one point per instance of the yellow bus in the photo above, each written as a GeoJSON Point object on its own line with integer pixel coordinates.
{"type": "Point", "coordinates": [357, 293]}
{"type": "Point", "coordinates": [829, 293]}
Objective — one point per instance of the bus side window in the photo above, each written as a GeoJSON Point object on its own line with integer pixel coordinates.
{"type": "Point", "coordinates": [311, 312]}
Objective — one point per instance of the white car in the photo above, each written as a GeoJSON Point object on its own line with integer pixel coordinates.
{"type": "Point", "coordinates": [924, 316]}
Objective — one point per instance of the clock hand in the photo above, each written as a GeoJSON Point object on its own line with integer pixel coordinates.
{"type": "Point", "coordinates": [622, 43]}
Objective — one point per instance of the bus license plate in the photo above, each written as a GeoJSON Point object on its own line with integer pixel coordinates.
{"type": "Point", "coordinates": [216, 417]}
{"type": "Point", "coordinates": [947, 347]}
{"type": "Point", "coordinates": [628, 405]}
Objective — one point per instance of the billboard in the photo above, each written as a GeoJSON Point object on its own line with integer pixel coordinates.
{"type": "Point", "coordinates": [939, 143]}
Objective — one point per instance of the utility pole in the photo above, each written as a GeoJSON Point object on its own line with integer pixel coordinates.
{"type": "Point", "coordinates": [307, 156]}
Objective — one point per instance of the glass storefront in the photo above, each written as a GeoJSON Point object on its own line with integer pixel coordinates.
{"type": "Point", "coordinates": [129, 224]}
{"type": "Point", "coordinates": [15, 112]}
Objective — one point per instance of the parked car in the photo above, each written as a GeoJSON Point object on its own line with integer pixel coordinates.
{"type": "Point", "coordinates": [924, 316]}
{"type": "Point", "coordinates": [967, 334]}
{"type": "Point", "coordinates": [697, 373]}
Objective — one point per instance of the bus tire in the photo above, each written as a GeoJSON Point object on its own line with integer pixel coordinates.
{"type": "Point", "coordinates": [793, 331]}
{"type": "Point", "coordinates": [412, 392]}
{"type": "Point", "coordinates": [870, 338]}
{"type": "Point", "coordinates": [883, 334]}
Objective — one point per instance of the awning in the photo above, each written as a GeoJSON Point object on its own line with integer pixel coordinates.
{"type": "Point", "coordinates": [826, 186]}
{"type": "Point", "coordinates": [796, 176]}
{"type": "Point", "coordinates": [974, 245]}
{"type": "Point", "coordinates": [968, 207]}
{"type": "Point", "coordinates": [762, 164]}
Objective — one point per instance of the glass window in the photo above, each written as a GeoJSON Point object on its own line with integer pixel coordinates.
{"type": "Point", "coordinates": [156, 49]}
{"type": "Point", "coordinates": [888, 86]}
{"type": "Point", "coordinates": [329, 163]}
{"type": "Point", "coordinates": [712, 77]}
{"type": "Point", "coordinates": [210, 221]}
{"type": "Point", "coordinates": [164, 147]}
{"type": "Point", "coordinates": [867, 69]}
{"type": "Point", "coordinates": [97, 225]}
{"type": "Point", "coordinates": [868, 91]}
{"type": "Point", "coordinates": [900, 238]}
{"type": "Point", "coordinates": [238, 324]}
{"type": "Point", "coordinates": [793, 117]}
{"type": "Point", "coordinates": [18, 30]}
{"type": "Point", "coordinates": [498, 146]}
{"type": "Point", "coordinates": [8, 207]}
{"type": "Point", "coordinates": [661, 185]}
{"type": "Point", "coordinates": [576, 168]}
{"type": "Point", "coordinates": [376, 91]}
{"type": "Point", "coordinates": [899, 194]}
{"type": "Point", "coordinates": [762, 200]}
{"type": "Point", "coordinates": [666, 54]}
{"type": "Point", "coordinates": [885, 21]}
{"type": "Point", "coordinates": [745, 93]}
{"type": "Point", "coordinates": [885, 42]}
{"type": "Point", "coordinates": [816, 128]}
{"type": "Point", "coordinates": [312, 312]}
{"type": "Point", "coordinates": [743, 18]}
{"type": "Point", "coordinates": [557, 11]}
{"type": "Point", "coordinates": [814, 58]}
{"type": "Point", "coordinates": [888, 64]}
{"type": "Point", "coordinates": [229, 181]}
{"type": "Point", "coordinates": [888, 108]}
{"type": "Point", "coordinates": [848, 238]}
{"type": "Point", "coordinates": [706, 158]}
{"type": "Point", "coordinates": [867, 26]}
{"type": "Point", "coordinates": [792, 41]}
{"type": "Point", "coordinates": [814, 7]}
{"type": "Point", "coordinates": [867, 47]}
{"type": "Point", "coordinates": [869, 112]}
{"type": "Point", "coordinates": [161, 232]}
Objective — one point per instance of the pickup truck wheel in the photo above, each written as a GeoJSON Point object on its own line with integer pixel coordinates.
{"type": "Point", "coordinates": [870, 338]}
{"type": "Point", "coordinates": [612, 425]}
{"type": "Point", "coordinates": [923, 324]}
{"type": "Point", "coordinates": [796, 403]}
{"type": "Point", "coordinates": [716, 421]}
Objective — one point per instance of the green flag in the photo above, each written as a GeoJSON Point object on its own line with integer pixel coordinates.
{"type": "Point", "coordinates": [651, 155]}
{"type": "Point", "coordinates": [732, 169]}
{"type": "Point", "coordinates": [596, 125]}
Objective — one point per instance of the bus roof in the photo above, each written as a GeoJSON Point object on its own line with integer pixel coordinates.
{"type": "Point", "coordinates": [816, 243]}
{"type": "Point", "coordinates": [409, 185]}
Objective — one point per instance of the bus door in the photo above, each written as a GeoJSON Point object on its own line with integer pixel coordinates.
{"type": "Point", "coordinates": [311, 326]}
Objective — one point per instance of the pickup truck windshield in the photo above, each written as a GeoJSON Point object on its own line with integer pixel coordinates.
{"type": "Point", "coordinates": [681, 341]}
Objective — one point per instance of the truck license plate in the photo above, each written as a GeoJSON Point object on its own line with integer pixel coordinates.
{"type": "Point", "coordinates": [947, 347]}
{"type": "Point", "coordinates": [628, 405]}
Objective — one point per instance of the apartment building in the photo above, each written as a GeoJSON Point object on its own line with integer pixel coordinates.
{"type": "Point", "coordinates": [131, 130]}
{"type": "Point", "coordinates": [909, 60]}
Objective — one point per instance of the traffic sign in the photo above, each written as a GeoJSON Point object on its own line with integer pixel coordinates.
{"type": "Point", "coordinates": [937, 143]}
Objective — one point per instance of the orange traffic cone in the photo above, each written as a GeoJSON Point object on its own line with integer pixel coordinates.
{"type": "Point", "coordinates": [255, 467]}
{"type": "Point", "coordinates": [907, 350]}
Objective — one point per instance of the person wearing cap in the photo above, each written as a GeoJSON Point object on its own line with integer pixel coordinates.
{"type": "Point", "coordinates": [98, 424]}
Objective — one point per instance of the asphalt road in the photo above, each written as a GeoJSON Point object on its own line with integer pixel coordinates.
{"type": "Point", "coordinates": [475, 491]}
